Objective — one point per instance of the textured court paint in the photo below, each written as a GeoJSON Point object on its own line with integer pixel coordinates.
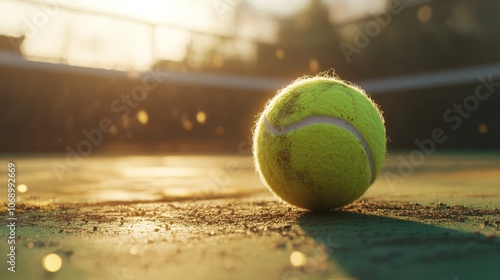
{"type": "Point", "coordinates": [319, 143]}
{"type": "Point", "coordinates": [330, 120]}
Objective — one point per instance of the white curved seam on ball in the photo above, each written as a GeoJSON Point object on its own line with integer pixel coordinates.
{"type": "Point", "coordinates": [325, 120]}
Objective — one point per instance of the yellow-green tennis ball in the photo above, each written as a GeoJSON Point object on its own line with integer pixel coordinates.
{"type": "Point", "coordinates": [320, 143]}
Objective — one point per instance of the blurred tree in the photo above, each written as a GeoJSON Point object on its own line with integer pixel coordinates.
{"type": "Point", "coordinates": [306, 44]}
{"type": "Point", "coordinates": [454, 34]}
{"type": "Point", "coordinates": [308, 39]}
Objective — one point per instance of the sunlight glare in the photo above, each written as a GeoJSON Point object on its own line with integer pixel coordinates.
{"type": "Point", "coordinates": [178, 192]}
{"type": "Point", "coordinates": [167, 11]}
{"type": "Point", "coordinates": [348, 10]}
{"type": "Point", "coordinates": [277, 7]}
{"type": "Point", "coordinates": [160, 172]}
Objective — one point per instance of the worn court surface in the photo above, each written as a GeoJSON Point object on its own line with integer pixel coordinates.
{"type": "Point", "coordinates": [209, 217]}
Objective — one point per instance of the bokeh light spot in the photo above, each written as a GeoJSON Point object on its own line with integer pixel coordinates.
{"type": "Point", "coordinates": [424, 13]}
{"type": "Point", "coordinates": [298, 259]}
{"type": "Point", "coordinates": [187, 124]}
{"type": "Point", "coordinates": [113, 129]}
{"type": "Point", "coordinates": [126, 122]}
{"type": "Point", "coordinates": [142, 117]}
{"type": "Point", "coordinates": [52, 262]}
{"type": "Point", "coordinates": [201, 117]}
{"type": "Point", "coordinates": [280, 54]}
{"type": "Point", "coordinates": [313, 65]}
{"type": "Point", "coordinates": [22, 188]}
{"type": "Point", "coordinates": [133, 251]}
{"type": "Point", "coordinates": [220, 130]}
{"type": "Point", "coordinates": [483, 129]}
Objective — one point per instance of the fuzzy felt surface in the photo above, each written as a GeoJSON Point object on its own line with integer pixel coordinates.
{"type": "Point", "coordinates": [319, 166]}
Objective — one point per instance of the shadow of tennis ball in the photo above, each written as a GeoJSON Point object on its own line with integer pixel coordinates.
{"type": "Point", "coordinates": [374, 247]}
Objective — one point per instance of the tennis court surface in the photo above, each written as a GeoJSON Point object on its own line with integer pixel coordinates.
{"type": "Point", "coordinates": [211, 218]}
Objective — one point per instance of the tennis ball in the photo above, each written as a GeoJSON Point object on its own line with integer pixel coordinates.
{"type": "Point", "coordinates": [319, 143]}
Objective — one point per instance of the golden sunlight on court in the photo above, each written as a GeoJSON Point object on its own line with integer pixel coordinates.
{"type": "Point", "coordinates": [159, 172]}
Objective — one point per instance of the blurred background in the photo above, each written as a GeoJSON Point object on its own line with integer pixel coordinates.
{"type": "Point", "coordinates": [191, 76]}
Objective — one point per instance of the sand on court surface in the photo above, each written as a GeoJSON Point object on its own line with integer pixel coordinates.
{"type": "Point", "coordinates": [441, 222]}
